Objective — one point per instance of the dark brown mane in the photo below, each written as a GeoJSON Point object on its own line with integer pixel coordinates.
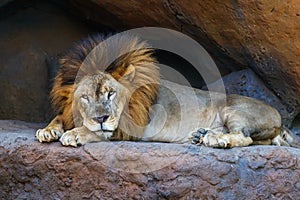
{"type": "Point", "coordinates": [113, 56]}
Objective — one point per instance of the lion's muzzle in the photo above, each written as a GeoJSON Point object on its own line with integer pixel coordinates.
{"type": "Point", "coordinates": [104, 122]}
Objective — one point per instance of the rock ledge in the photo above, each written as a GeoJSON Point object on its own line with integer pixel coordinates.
{"type": "Point", "coordinates": [137, 170]}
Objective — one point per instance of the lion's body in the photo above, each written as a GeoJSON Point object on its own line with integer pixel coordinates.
{"type": "Point", "coordinates": [96, 99]}
{"type": "Point", "coordinates": [212, 111]}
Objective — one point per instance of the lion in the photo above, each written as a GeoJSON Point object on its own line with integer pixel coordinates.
{"type": "Point", "coordinates": [128, 100]}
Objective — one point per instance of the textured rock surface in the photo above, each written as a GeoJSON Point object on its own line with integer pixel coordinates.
{"type": "Point", "coordinates": [122, 170]}
{"type": "Point", "coordinates": [262, 35]}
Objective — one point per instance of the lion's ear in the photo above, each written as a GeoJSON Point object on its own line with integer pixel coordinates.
{"type": "Point", "coordinates": [129, 73]}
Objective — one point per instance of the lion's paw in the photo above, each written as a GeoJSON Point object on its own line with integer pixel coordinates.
{"type": "Point", "coordinates": [79, 136]}
{"type": "Point", "coordinates": [197, 137]}
{"type": "Point", "coordinates": [70, 138]}
{"type": "Point", "coordinates": [216, 140]}
{"type": "Point", "coordinates": [49, 134]}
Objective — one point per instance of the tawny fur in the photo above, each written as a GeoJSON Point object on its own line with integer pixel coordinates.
{"type": "Point", "coordinates": [85, 58]}
{"type": "Point", "coordinates": [127, 63]}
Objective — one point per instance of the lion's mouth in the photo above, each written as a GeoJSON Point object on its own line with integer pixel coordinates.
{"type": "Point", "coordinates": [108, 126]}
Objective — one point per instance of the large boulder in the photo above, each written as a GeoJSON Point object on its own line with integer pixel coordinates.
{"type": "Point", "coordinates": [262, 35]}
{"type": "Point", "coordinates": [138, 170]}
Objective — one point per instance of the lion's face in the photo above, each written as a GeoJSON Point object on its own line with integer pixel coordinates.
{"type": "Point", "coordinates": [100, 100]}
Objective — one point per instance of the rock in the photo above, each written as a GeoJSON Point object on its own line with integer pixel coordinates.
{"type": "Point", "coordinates": [260, 35]}
{"type": "Point", "coordinates": [263, 36]}
{"type": "Point", "coordinates": [246, 83]}
{"type": "Point", "coordinates": [32, 34]}
{"type": "Point", "coordinates": [296, 126]}
{"type": "Point", "coordinates": [138, 170]}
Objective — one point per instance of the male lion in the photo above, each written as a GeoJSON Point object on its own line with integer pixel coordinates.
{"type": "Point", "coordinates": [125, 102]}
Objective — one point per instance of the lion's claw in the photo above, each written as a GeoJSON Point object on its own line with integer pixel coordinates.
{"type": "Point", "coordinates": [48, 134]}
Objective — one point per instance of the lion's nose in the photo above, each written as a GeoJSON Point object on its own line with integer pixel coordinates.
{"type": "Point", "coordinates": [101, 119]}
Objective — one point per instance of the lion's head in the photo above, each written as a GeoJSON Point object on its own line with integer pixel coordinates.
{"type": "Point", "coordinates": [100, 100]}
{"type": "Point", "coordinates": [121, 106]}
{"type": "Point", "coordinates": [107, 84]}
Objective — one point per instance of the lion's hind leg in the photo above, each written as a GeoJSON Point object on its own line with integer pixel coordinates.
{"type": "Point", "coordinates": [52, 132]}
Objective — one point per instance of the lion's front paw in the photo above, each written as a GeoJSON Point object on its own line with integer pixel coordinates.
{"type": "Point", "coordinates": [70, 138]}
{"type": "Point", "coordinates": [216, 140]}
{"type": "Point", "coordinates": [48, 134]}
{"type": "Point", "coordinates": [79, 136]}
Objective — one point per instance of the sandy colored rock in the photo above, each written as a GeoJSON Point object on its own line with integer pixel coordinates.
{"type": "Point", "coordinates": [138, 170]}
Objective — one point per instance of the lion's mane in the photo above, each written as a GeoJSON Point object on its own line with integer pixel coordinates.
{"type": "Point", "coordinates": [87, 57]}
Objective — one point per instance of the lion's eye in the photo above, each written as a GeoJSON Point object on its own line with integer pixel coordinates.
{"type": "Point", "coordinates": [110, 94]}
{"type": "Point", "coordinates": [284, 136]}
{"type": "Point", "coordinates": [84, 97]}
